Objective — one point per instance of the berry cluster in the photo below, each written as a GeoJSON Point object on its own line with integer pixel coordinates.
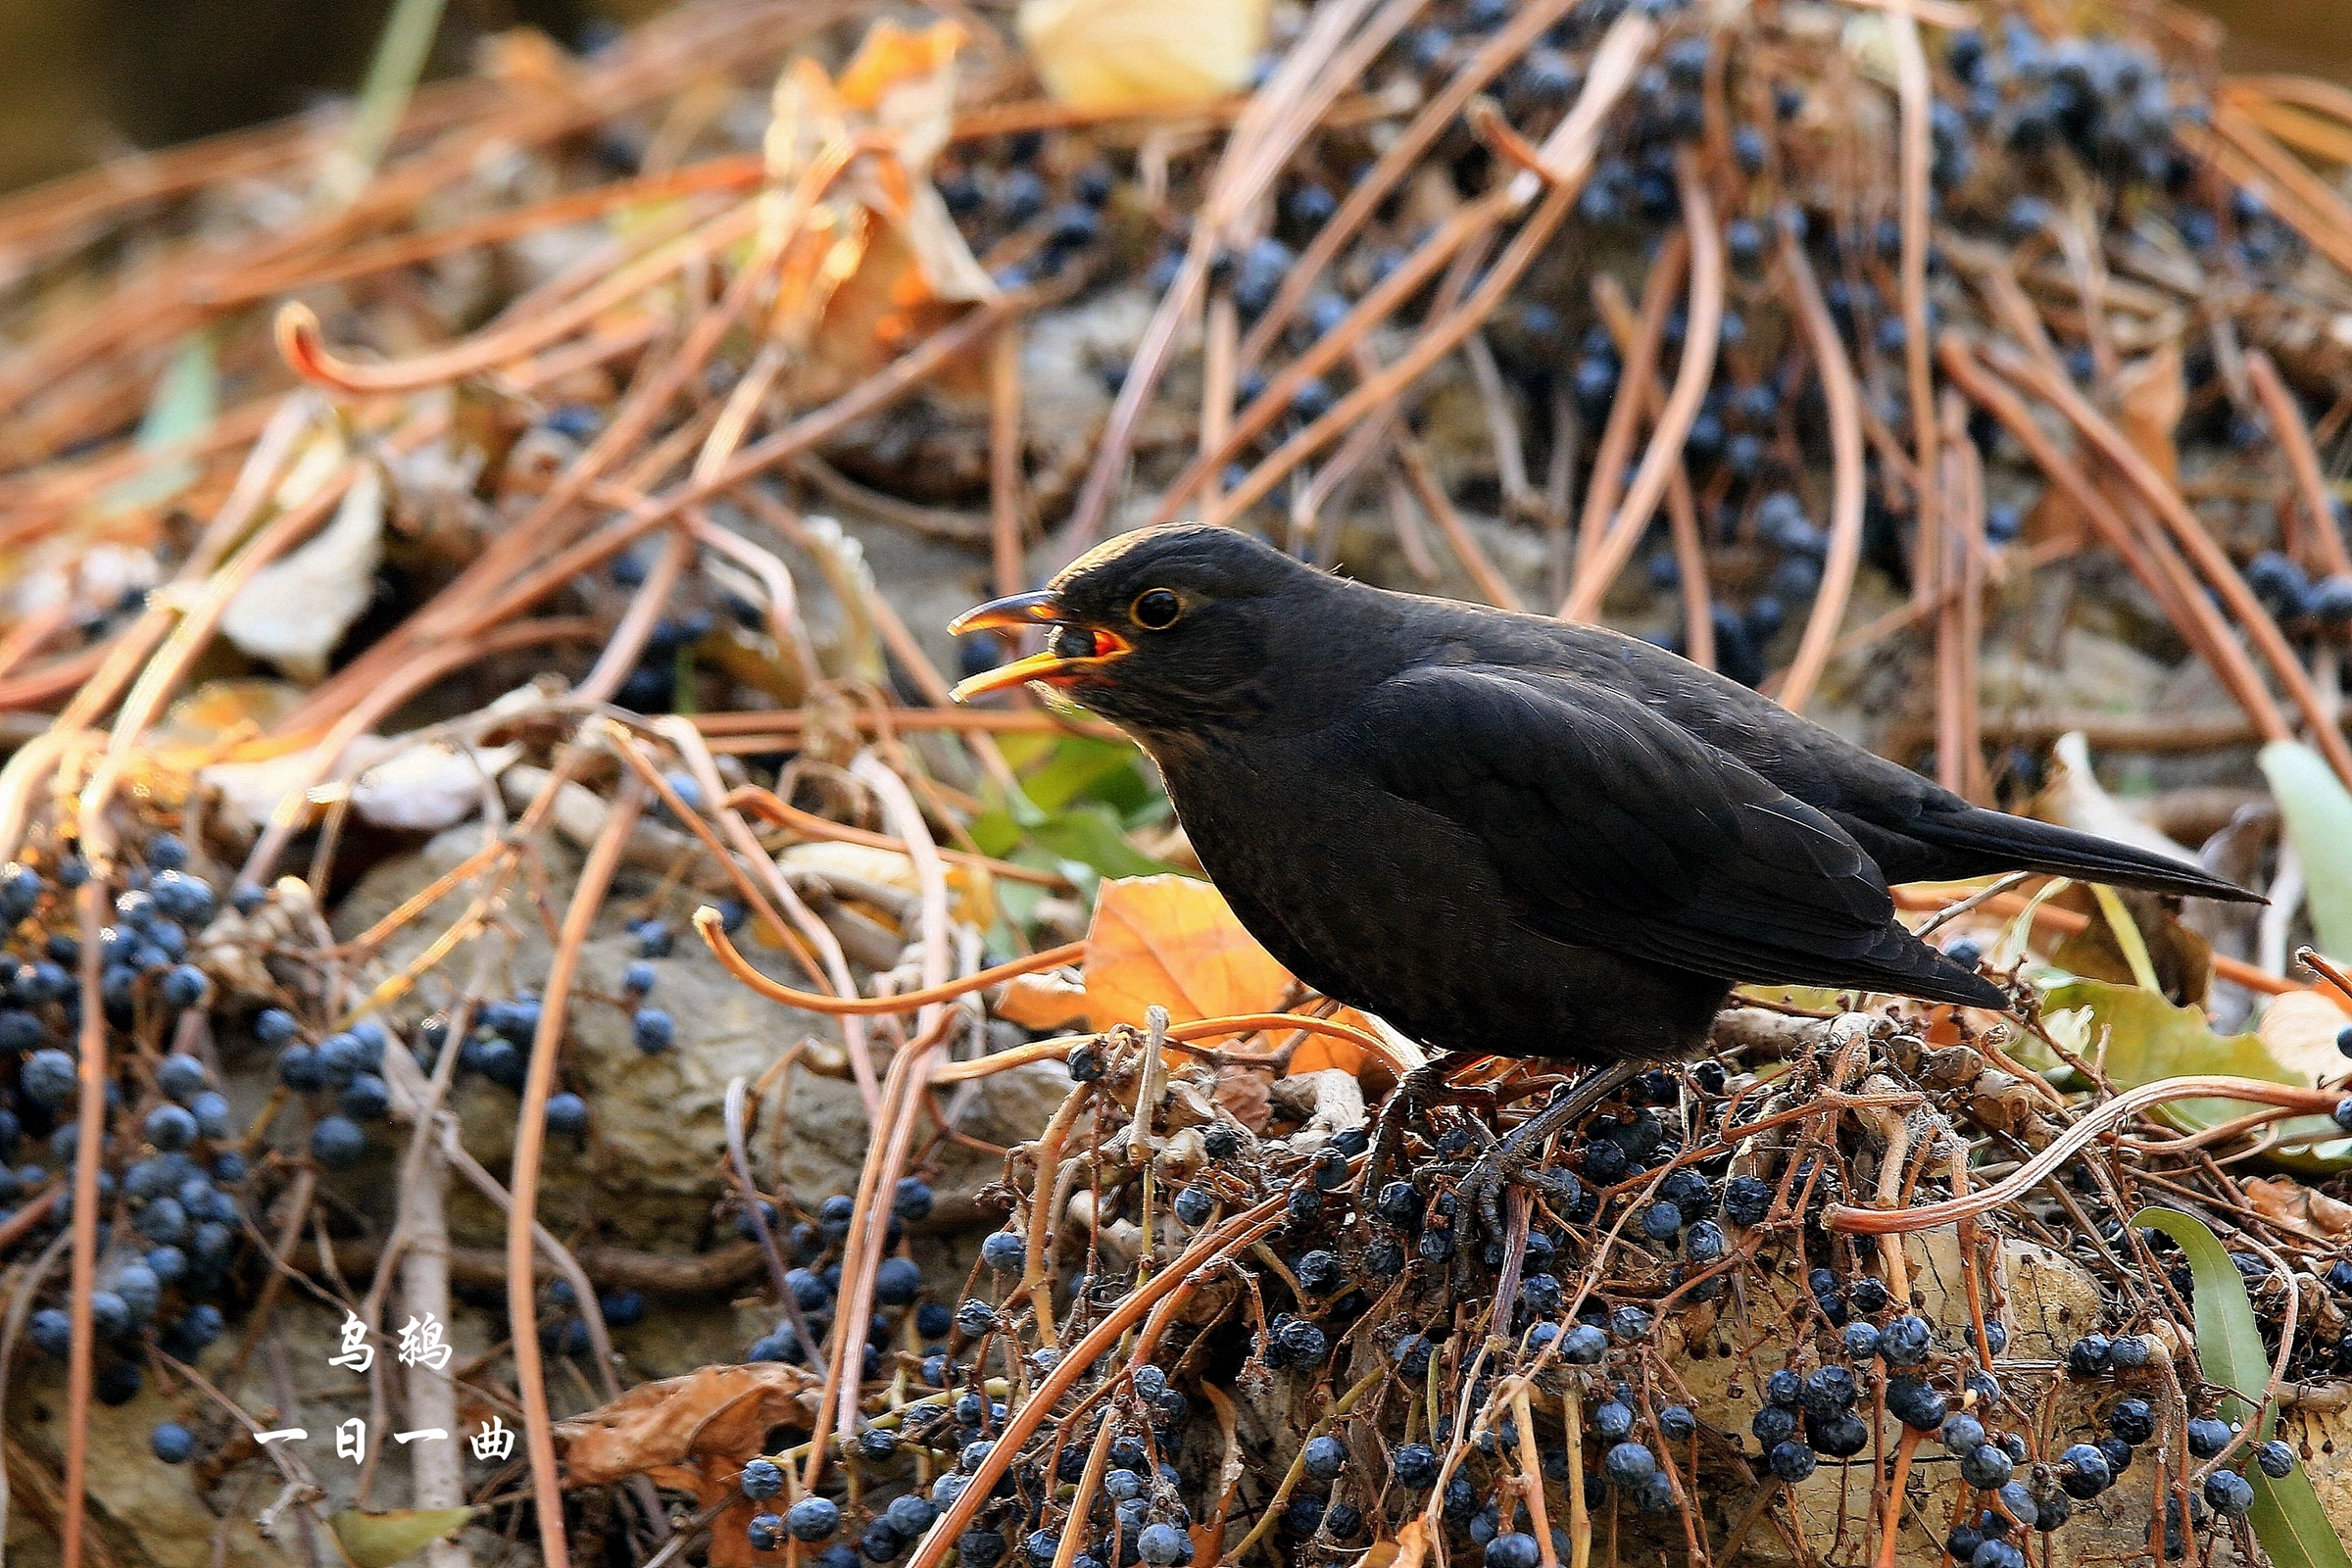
{"type": "Point", "coordinates": [172, 1169]}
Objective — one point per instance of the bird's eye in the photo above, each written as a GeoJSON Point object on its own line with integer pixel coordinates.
{"type": "Point", "coordinates": [1157, 609]}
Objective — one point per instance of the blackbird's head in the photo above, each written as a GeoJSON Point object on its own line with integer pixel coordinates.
{"type": "Point", "coordinates": [1156, 629]}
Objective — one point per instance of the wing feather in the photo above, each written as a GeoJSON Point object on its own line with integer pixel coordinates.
{"type": "Point", "coordinates": [1616, 828]}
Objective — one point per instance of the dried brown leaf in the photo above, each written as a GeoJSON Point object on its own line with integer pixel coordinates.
{"type": "Point", "coordinates": [2183, 959]}
{"type": "Point", "coordinates": [877, 264]}
{"type": "Point", "coordinates": [1246, 1093]}
{"type": "Point", "coordinates": [2152, 395]}
{"type": "Point", "coordinates": [2283, 1200]}
{"type": "Point", "coordinates": [686, 1432]}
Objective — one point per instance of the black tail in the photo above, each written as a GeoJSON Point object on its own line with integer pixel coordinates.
{"type": "Point", "coordinates": [1907, 966]}
{"type": "Point", "coordinates": [1895, 963]}
{"type": "Point", "coordinates": [2002, 842]}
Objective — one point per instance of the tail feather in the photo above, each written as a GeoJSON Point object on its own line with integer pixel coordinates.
{"type": "Point", "coordinates": [1896, 963]}
{"type": "Point", "coordinates": [1904, 964]}
{"type": "Point", "coordinates": [2025, 843]}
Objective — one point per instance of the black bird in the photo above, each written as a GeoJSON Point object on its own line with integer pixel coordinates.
{"type": "Point", "coordinates": [1507, 834]}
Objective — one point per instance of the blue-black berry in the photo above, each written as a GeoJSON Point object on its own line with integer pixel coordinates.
{"type": "Point", "coordinates": [2088, 1356]}
{"type": "Point", "coordinates": [337, 1142]}
{"type": "Point", "coordinates": [1003, 1250]}
{"type": "Point", "coordinates": [812, 1519]}
{"type": "Point", "coordinates": [1163, 1545]}
{"type": "Point", "coordinates": [1905, 1340]}
{"type": "Point", "coordinates": [2083, 1472]}
{"type": "Point", "coordinates": [2207, 1436]}
{"type": "Point", "coordinates": [1629, 1464]}
{"type": "Point", "coordinates": [1746, 1200]}
{"type": "Point", "coordinates": [1915, 1404]}
{"type": "Point", "coordinates": [1415, 1466]}
{"type": "Point", "coordinates": [2229, 1493]}
{"type": "Point", "coordinates": [1513, 1550]}
{"type": "Point", "coordinates": [1987, 1467]}
{"type": "Point", "coordinates": [2134, 1421]}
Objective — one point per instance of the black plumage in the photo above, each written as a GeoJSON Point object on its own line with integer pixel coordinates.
{"type": "Point", "coordinates": [1508, 834]}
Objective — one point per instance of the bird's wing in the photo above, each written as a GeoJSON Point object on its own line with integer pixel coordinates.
{"type": "Point", "coordinates": [1617, 828]}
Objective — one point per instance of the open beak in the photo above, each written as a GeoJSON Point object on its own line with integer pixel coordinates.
{"type": "Point", "coordinates": [1016, 614]}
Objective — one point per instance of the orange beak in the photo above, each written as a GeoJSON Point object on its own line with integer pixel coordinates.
{"type": "Point", "coordinates": [1018, 612]}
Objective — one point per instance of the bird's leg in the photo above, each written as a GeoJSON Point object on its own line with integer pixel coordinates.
{"type": "Point", "coordinates": [1508, 1159]}
{"type": "Point", "coordinates": [1413, 1095]}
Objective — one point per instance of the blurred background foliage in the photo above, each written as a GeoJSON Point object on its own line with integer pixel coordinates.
{"type": "Point", "coordinates": [81, 80]}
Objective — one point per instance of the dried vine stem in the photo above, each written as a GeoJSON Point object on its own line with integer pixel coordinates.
{"type": "Point", "coordinates": [1222, 1242]}
{"type": "Point", "coordinates": [2089, 1130]}
{"type": "Point", "coordinates": [530, 1135]}
{"type": "Point", "coordinates": [1701, 338]}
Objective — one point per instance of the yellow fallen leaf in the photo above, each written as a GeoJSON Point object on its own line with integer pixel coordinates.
{"type": "Point", "coordinates": [1143, 54]}
{"type": "Point", "coordinates": [226, 709]}
{"type": "Point", "coordinates": [1173, 942]}
{"type": "Point", "coordinates": [2300, 1028]}
{"type": "Point", "coordinates": [1043, 1001]}
{"type": "Point", "coordinates": [381, 1539]}
{"type": "Point", "coordinates": [874, 262]}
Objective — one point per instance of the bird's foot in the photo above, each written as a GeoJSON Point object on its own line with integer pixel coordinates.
{"type": "Point", "coordinates": [1513, 1158]}
{"type": "Point", "coordinates": [1415, 1093]}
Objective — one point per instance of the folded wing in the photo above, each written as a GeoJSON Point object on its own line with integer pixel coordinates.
{"type": "Point", "coordinates": [1616, 828]}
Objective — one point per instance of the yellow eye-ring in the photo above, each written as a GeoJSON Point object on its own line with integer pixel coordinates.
{"type": "Point", "coordinates": [1157, 609]}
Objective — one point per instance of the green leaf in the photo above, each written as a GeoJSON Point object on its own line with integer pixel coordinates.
{"type": "Point", "coordinates": [381, 1539]}
{"type": "Point", "coordinates": [2148, 1039]}
{"type": "Point", "coordinates": [2290, 1524]}
{"type": "Point", "coordinates": [1083, 767]}
{"type": "Point", "coordinates": [2319, 824]}
{"type": "Point", "coordinates": [2230, 1354]}
{"type": "Point", "coordinates": [186, 402]}
{"type": "Point", "coordinates": [995, 833]}
{"type": "Point", "coordinates": [1091, 835]}
{"type": "Point", "coordinates": [1026, 749]}
{"type": "Point", "coordinates": [2133, 946]}
{"type": "Point", "coordinates": [392, 75]}
{"type": "Point", "coordinates": [2288, 1518]}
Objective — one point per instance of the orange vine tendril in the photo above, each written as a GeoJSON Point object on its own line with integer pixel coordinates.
{"type": "Point", "coordinates": [707, 921]}
{"type": "Point", "coordinates": [2327, 971]}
